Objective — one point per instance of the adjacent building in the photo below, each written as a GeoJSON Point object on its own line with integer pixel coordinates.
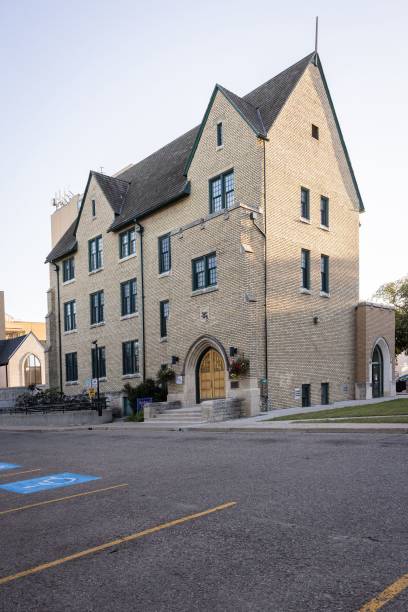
{"type": "Point", "coordinates": [22, 361]}
{"type": "Point", "coordinates": [238, 240]}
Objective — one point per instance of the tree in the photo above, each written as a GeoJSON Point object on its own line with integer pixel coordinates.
{"type": "Point", "coordinates": [396, 293]}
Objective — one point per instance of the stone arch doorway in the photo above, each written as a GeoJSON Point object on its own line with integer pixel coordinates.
{"type": "Point", "coordinates": [377, 372]}
{"type": "Point", "coordinates": [381, 378]}
{"type": "Point", "coordinates": [210, 376]}
{"type": "Point", "coordinates": [192, 364]}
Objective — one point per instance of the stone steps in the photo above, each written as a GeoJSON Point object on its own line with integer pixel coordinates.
{"type": "Point", "coordinates": [190, 414]}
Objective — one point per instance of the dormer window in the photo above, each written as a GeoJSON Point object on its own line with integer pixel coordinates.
{"type": "Point", "coordinates": [220, 135]}
{"type": "Point", "coordinates": [315, 131]}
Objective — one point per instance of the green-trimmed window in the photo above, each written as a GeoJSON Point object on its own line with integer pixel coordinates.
{"type": "Point", "coordinates": [324, 211]}
{"type": "Point", "coordinates": [70, 316]}
{"type": "Point", "coordinates": [95, 253]}
{"type": "Point", "coordinates": [324, 273]}
{"type": "Point", "coordinates": [97, 306]}
{"type": "Point", "coordinates": [222, 191]}
{"type": "Point", "coordinates": [127, 243]}
{"type": "Point", "coordinates": [164, 316]}
{"type": "Point", "coordinates": [220, 134]}
{"type": "Point", "coordinates": [71, 367]}
{"type": "Point", "coordinates": [128, 297]}
{"type": "Point", "coordinates": [306, 394]}
{"type": "Point", "coordinates": [204, 271]}
{"type": "Point", "coordinates": [68, 269]}
{"type": "Point", "coordinates": [99, 368]}
{"type": "Point", "coordinates": [130, 357]}
{"type": "Point", "coordinates": [304, 203]}
{"type": "Point", "coordinates": [324, 393]}
{"type": "Point", "coordinates": [164, 254]}
{"type": "Point", "coordinates": [305, 269]}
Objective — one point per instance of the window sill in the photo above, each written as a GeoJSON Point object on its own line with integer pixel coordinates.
{"type": "Point", "coordinates": [97, 324]}
{"type": "Point", "coordinates": [304, 220]}
{"type": "Point", "coordinates": [219, 147]}
{"type": "Point", "coordinates": [71, 383]}
{"type": "Point", "coordinates": [164, 274]}
{"type": "Point", "coordinates": [68, 282]}
{"type": "Point", "coordinates": [305, 291]}
{"type": "Point", "coordinates": [102, 379]}
{"type": "Point", "coordinates": [324, 294]}
{"type": "Point", "coordinates": [163, 339]}
{"type": "Point", "coordinates": [326, 228]}
{"type": "Point", "coordinates": [95, 271]}
{"type": "Point", "coordinates": [71, 331]}
{"type": "Point", "coordinates": [136, 375]}
{"type": "Point", "coordinates": [132, 315]}
{"type": "Point", "coordinates": [204, 290]}
{"type": "Point", "coordinates": [132, 256]}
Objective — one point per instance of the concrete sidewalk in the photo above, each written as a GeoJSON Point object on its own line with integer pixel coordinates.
{"type": "Point", "coordinates": [260, 423]}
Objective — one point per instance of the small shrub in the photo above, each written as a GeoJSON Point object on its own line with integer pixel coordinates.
{"type": "Point", "coordinates": [136, 417]}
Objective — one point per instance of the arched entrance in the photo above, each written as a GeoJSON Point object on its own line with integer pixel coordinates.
{"type": "Point", "coordinates": [377, 372]}
{"type": "Point", "coordinates": [191, 370]}
{"type": "Point", "coordinates": [210, 376]}
{"type": "Point", "coordinates": [32, 371]}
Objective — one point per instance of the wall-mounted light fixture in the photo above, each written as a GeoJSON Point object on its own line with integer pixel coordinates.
{"type": "Point", "coordinates": [233, 351]}
{"type": "Point", "coordinates": [315, 320]}
{"type": "Point", "coordinates": [174, 359]}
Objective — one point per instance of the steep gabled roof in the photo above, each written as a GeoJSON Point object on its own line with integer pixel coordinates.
{"type": "Point", "coordinates": [66, 245]}
{"type": "Point", "coordinates": [9, 347]}
{"type": "Point", "coordinates": [271, 97]}
{"type": "Point", "coordinates": [156, 180]}
{"type": "Point", "coordinates": [161, 178]}
{"type": "Point", "coordinates": [114, 189]}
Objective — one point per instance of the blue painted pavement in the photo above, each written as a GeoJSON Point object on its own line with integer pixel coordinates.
{"type": "Point", "coordinates": [8, 466]}
{"type": "Point", "coordinates": [51, 481]}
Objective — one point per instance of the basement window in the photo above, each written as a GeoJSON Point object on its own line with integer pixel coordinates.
{"type": "Point", "coordinates": [315, 131]}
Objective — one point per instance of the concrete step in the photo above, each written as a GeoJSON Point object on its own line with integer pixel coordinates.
{"type": "Point", "coordinates": [165, 417]}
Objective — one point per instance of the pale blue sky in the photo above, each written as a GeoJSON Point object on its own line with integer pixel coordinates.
{"type": "Point", "coordinates": [101, 83]}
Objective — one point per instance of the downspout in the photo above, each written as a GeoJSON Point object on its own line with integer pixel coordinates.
{"type": "Point", "coordinates": [253, 217]}
{"type": "Point", "coordinates": [56, 267]}
{"type": "Point", "coordinates": [141, 230]}
{"type": "Point", "coordinates": [6, 375]}
{"type": "Point", "coordinates": [266, 268]}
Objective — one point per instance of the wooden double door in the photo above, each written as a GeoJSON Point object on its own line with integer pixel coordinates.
{"type": "Point", "coordinates": [211, 376]}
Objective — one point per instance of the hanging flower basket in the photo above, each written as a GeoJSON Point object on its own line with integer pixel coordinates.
{"type": "Point", "coordinates": [166, 374]}
{"type": "Point", "coordinates": [239, 367]}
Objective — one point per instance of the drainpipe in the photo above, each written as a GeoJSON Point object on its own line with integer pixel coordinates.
{"type": "Point", "coordinates": [141, 230]}
{"type": "Point", "coordinates": [6, 375]}
{"type": "Point", "coordinates": [266, 267]}
{"type": "Point", "coordinates": [253, 217]}
{"type": "Point", "coordinates": [56, 267]}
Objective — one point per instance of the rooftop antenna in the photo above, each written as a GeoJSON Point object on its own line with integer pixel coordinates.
{"type": "Point", "coordinates": [316, 39]}
{"type": "Point", "coordinates": [101, 169]}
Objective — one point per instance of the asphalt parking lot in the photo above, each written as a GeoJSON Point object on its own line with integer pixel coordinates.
{"type": "Point", "coordinates": [199, 521]}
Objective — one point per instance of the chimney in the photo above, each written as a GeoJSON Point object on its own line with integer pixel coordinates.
{"type": "Point", "coordinates": [2, 317]}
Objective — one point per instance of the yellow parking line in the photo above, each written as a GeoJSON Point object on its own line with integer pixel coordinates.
{"type": "Point", "coordinates": [18, 473]}
{"type": "Point", "coordinates": [58, 499]}
{"type": "Point", "coordinates": [387, 595]}
{"type": "Point", "coordinates": [129, 538]}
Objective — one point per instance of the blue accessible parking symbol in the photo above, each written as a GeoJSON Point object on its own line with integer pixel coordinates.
{"type": "Point", "coordinates": [8, 466]}
{"type": "Point", "coordinates": [52, 481]}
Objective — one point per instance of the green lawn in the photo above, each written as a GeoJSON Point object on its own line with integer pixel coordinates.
{"type": "Point", "coordinates": [382, 419]}
{"type": "Point", "coordinates": [391, 408]}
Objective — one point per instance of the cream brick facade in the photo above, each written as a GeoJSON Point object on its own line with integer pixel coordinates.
{"type": "Point", "coordinates": [269, 173]}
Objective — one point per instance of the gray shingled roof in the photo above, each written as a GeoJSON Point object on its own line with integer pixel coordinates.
{"type": "Point", "coordinates": [67, 244]}
{"type": "Point", "coordinates": [9, 347]}
{"type": "Point", "coordinates": [114, 189]}
{"type": "Point", "coordinates": [160, 178]}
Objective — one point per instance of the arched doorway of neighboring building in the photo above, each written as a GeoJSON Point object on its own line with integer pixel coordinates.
{"type": "Point", "coordinates": [210, 375]}
{"type": "Point", "coordinates": [32, 371]}
{"type": "Point", "coordinates": [377, 368]}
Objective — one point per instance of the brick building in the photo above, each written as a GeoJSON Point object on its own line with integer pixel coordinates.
{"type": "Point", "coordinates": [238, 239]}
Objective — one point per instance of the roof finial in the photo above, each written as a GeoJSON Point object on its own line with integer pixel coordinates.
{"type": "Point", "coordinates": [316, 38]}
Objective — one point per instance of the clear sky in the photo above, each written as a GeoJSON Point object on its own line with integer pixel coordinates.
{"type": "Point", "coordinates": [90, 83]}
